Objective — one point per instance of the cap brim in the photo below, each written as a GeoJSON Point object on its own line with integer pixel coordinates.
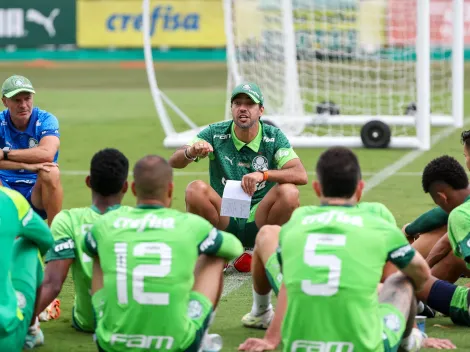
{"type": "Point", "coordinates": [252, 96]}
{"type": "Point", "coordinates": [19, 90]}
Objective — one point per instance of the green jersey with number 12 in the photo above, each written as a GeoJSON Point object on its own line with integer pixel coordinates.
{"type": "Point", "coordinates": [148, 255]}
{"type": "Point", "coordinates": [332, 260]}
{"type": "Point", "coordinates": [69, 229]}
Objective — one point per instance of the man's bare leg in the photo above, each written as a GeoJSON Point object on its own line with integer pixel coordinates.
{"type": "Point", "coordinates": [426, 241]}
{"type": "Point", "coordinates": [48, 193]}
{"type": "Point", "coordinates": [278, 205]}
{"type": "Point", "coordinates": [209, 282]}
{"type": "Point", "coordinates": [208, 277]}
{"type": "Point", "coordinates": [202, 200]}
{"type": "Point", "coordinates": [266, 244]}
{"type": "Point", "coordinates": [423, 245]}
{"type": "Point", "coordinates": [450, 268]}
{"type": "Point", "coordinates": [398, 291]}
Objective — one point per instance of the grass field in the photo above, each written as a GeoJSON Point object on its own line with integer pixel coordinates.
{"type": "Point", "coordinates": [109, 105]}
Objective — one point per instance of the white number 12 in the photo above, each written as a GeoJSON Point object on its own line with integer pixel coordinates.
{"type": "Point", "coordinates": [323, 260]}
{"type": "Point", "coordinates": [142, 271]}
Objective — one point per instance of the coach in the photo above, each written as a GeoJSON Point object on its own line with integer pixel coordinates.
{"type": "Point", "coordinates": [29, 138]}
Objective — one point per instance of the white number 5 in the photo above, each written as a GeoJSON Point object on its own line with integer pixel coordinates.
{"type": "Point", "coordinates": [323, 260]}
{"type": "Point", "coordinates": [142, 271]}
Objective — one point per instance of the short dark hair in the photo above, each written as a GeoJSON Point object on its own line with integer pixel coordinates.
{"type": "Point", "coordinates": [465, 138]}
{"type": "Point", "coordinates": [444, 169]}
{"type": "Point", "coordinates": [108, 171]}
{"type": "Point", "coordinates": [338, 172]}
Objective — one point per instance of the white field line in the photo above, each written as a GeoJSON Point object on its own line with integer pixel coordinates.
{"type": "Point", "coordinates": [406, 159]}
{"type": "Point", "coordinates": [206, 173]}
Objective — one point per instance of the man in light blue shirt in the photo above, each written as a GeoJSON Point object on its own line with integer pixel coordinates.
{"type": "Point", "coordinates": [29, 139]}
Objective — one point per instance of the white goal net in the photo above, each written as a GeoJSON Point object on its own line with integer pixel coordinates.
{"type": "Point", "coordinates": [327, 67]}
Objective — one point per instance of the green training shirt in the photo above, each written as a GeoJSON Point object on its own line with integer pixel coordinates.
{"type": "Point", "coordinates": [232, 158]}
{"type": "Point", "coordinates": [69, 229]}
{"type": "Point", "coordinates": [17, 218]}
{"type": "Point", "coordinates": [459, 231]}
{"type": "Point", "coordinates": [148, 255]}
{"type": "Point", "coordinates": [332, 259]}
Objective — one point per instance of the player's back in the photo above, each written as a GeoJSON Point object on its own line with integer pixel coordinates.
{"type": "Point", "coordinates": [69, 229]}
{"type": "Point", "coordinates": [10, 229]}
{"type": "Point", "coordinates": [147, 255]}
{"type": "Point", "coordinates": [332, 259]}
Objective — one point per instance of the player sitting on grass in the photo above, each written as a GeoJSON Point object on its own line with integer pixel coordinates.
{"type": "Point", "coordinates": [266, 272]}
{"type": "Point", "coordinates": [30, 141]}
{"type": "Point", "coordinates": [445, 179]}
{"type": "Point", "coordinates": [332, 257]}
{"type": "Point", "coordinates": [108, 182]}
{"type": "Point", "coordinates": [429, 235]}
{"type": "Point", "coordinates": [21, 268]}
{"type": "Point", "coordinates": [447, 183]}
{"type": "Point", "coordinates": [247, 150]}
{"type": "Point", "coordinates": [151, 287]}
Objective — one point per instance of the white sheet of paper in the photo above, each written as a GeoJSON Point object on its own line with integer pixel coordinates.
{"type": "Point", "coordinates": [235, 202]}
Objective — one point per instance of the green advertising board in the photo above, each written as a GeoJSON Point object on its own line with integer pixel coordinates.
{"type": "Point", "coordinates": [33, 23]}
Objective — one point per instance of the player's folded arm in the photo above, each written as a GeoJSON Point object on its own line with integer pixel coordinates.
{"type": "Point", "coordinates": [430, 220]}
{"type": "Point", "coordinates": [43, 153]}
{"type": "Point", "coordinates": [221, 244]}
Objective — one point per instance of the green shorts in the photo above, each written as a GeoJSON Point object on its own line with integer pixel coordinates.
{"type": "Point", "coordinates": [394, 324]}
{"type": "Point", "coordinates": [459, 308]}
{"type": "Point", "coordinates": [244, 229]}
{"type": "Point", "coordinates": [273, 273]}
{"type": "Point", "coordinates": [199, 311]}
{"type": "Point", "coordinates": [26, 274]}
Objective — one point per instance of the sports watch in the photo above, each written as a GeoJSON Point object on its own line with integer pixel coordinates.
{"type": "Point", "coordinates": [6, 150]}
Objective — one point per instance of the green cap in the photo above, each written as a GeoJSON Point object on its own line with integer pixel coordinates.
{"type": "Point", "coordinates": [16, 84]}
{"type": "Point", "coordinates": [250, 89]}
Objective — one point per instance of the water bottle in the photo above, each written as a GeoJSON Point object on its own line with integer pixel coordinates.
{"type": "Point", "coordinates": [212, 343]}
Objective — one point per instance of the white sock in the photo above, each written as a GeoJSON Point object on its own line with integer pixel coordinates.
{"type": "Point", "coordinates": [261, 303]}
{"type": "Point", "coordinates": [414, 341]}
{"type": "Point", "coordinates": [420, 307]}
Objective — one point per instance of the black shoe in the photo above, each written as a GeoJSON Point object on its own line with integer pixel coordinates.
{"type": "Point", "coordinates": [428, 312]}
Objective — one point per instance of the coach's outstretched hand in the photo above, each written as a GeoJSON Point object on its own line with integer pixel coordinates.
{"type": "Point", "coordinates": [201, 149]}
{"type": "Point", "coordinates": [38, 167]}
{"type": "Point", "coordinates": [440, 344]}
{"type": "Point", "coordinates": [256, 345]}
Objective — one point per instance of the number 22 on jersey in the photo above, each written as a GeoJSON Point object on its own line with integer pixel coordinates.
{"type": "Point", "coordinates": [331, 261]}
{"type": "Point", "coordinates": [140, 272]}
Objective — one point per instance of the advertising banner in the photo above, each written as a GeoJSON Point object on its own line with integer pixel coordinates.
{"type": "Point", "coordinates": [32, 23]}
{"type": "Point", "coordinates": [402, 22]}
{"type": "Point", "coordinates": [173, 23]}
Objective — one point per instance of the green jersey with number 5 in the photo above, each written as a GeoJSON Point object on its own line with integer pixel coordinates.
{"type": "Point", "coordinates": [332, 260]}
{"type": "Point", "coordinates": [69, 229]}
{"type": "Point", "coordinates": [148, 255]}
{"type": "Point", "coordinates": [232, 158]}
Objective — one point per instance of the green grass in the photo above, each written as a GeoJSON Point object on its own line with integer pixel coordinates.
{"type": "Point", "coordinates": [107, 106]}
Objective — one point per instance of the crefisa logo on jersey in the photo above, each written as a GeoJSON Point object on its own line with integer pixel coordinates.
{"type": "Point", "coordinates": [32, 143]}
{"type": "Point", "coordinates": [260, 163]}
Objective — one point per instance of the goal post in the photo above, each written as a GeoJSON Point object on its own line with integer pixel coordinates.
{"type": "Point", "coordinates": [339, 72]}
{"type": "Point", "coordinates": [349, 63]}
